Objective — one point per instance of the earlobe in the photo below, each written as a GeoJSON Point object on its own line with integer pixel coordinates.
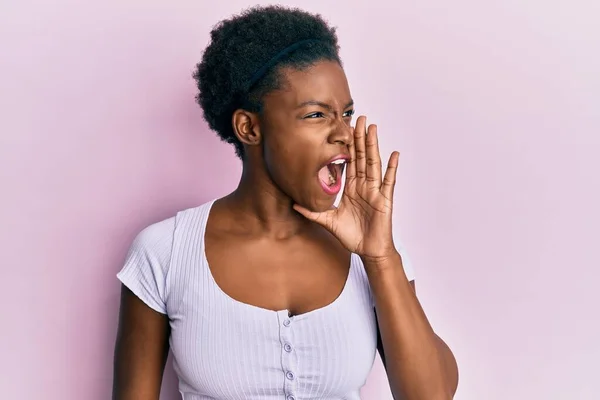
{"type": "Point", "coordinates": [246, 127]}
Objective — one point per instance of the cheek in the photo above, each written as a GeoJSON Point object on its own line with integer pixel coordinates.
{"type": "Point", "coordinates": [285, 164]}
{"type": "Point", "coordinates": [289, 162]}
{"type": "Point", "coordinates": [286, 149]}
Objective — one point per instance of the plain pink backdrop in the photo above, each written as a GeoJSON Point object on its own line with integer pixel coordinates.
{"type": "Point", "coordinates": [494, 106]}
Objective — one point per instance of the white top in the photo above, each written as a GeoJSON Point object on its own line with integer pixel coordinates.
{"type": "Point", "coordinates": [226, 349]}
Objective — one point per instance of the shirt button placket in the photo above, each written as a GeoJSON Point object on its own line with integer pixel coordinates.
{"type": "Point", "coordinates": [289, 358]}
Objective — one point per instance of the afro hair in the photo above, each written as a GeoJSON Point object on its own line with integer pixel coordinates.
{"type": "Point", "coordinates": [246, 43]}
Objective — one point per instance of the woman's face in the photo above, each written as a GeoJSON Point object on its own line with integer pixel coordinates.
{"type": "Point", "coordinates": [305, 126]}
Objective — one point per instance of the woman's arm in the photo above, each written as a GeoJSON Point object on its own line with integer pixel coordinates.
{"type": "Point", "coordinates": [418, 363]}
{"type": "Point", "coordinates": [140, 351]}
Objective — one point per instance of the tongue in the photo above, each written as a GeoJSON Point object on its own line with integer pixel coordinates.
{"type": "Point", "coordinates": [324, 175]}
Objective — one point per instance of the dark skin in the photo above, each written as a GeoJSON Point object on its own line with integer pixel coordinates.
{"type": "Point", "coordinates": [292, 250]}
{"type": "Point", "coordinates": [141, 350]}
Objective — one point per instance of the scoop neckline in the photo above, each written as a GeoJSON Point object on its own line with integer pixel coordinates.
{"type": "Point", "coordinates": [263, 310]}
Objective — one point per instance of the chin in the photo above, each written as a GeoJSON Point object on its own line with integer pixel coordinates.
{"type": "Point", "coordinates": [320, 204]}
{"type": "Point", "coordinates": [315, 200]}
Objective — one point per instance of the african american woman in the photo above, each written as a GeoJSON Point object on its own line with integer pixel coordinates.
{"type": "Point", "coordinates": [280, 290]}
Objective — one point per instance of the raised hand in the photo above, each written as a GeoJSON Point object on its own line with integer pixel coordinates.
{"type": "Point", "coordinates": [363, 220]}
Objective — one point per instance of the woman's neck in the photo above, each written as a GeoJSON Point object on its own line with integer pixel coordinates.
{"type": "Point", "coordinates": [259, 201]}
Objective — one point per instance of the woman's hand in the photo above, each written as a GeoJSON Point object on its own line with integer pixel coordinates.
{"type": "Point", "coordinates": [363, 220]}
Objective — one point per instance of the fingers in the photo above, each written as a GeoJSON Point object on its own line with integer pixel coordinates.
{"type": "Point", "coordinates": [360, 133]}
{"type": "Point", "coordinates": [366, 160]}
{"type": "Point", "coordinates": [373, 159]}
{"type": "Point", "coordinates": [351, 164]}
{"type": "Point", "coordinates": [389, 180]}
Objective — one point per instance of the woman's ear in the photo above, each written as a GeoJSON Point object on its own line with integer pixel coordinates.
{"type": "Point", "coordinates": [246, 127]}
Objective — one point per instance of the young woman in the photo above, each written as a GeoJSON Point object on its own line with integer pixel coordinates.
{"type": "Point", "coordinates": [271, 292]}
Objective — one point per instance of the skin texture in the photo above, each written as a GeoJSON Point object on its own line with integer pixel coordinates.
{"type": "Point", "coordinates": [292, 249]}
{"type": "Point", "coordinates": [141, 349]}
{"type": "Point", "coordinates": [450, 366]}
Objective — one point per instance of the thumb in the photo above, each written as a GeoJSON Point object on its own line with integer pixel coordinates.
{"type": "Point", "coordinates": [322, 218]}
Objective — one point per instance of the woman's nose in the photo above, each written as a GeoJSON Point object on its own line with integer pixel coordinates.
{"type": "Point", "coordinates": [342, 134]}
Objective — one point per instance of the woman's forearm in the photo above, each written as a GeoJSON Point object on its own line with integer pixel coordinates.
{"type": "Point", "coordinates": [420, 366]}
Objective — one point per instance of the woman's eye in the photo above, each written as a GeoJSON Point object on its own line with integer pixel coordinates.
{"type": "Point", "coordinates": [319, 114]}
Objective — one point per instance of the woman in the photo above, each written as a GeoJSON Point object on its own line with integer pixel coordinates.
{"type": "Point", "coordinates": [270, 291]}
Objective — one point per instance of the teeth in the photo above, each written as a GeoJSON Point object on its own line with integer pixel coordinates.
{"type": "Point", "coordinates": [334, 171]}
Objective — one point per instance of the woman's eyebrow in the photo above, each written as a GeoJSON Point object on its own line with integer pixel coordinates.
{"type": "Point", "coordinates": [321, 104]}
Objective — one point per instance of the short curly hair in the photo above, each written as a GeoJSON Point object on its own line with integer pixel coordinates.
{"type": "Point", "coordinates": [244, 44]}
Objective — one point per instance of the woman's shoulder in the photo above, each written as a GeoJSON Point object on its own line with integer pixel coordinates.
{"type": "Point", "coordinates": [158, 237]}
{"type": "Point", "coordinates": [147, 266]}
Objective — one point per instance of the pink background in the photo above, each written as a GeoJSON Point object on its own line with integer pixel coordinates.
{"type": "Point", "coordinates": [494, 107]}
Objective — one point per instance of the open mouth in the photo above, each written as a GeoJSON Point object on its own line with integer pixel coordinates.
{"type": "Point", "coordinates": [330, 176]}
